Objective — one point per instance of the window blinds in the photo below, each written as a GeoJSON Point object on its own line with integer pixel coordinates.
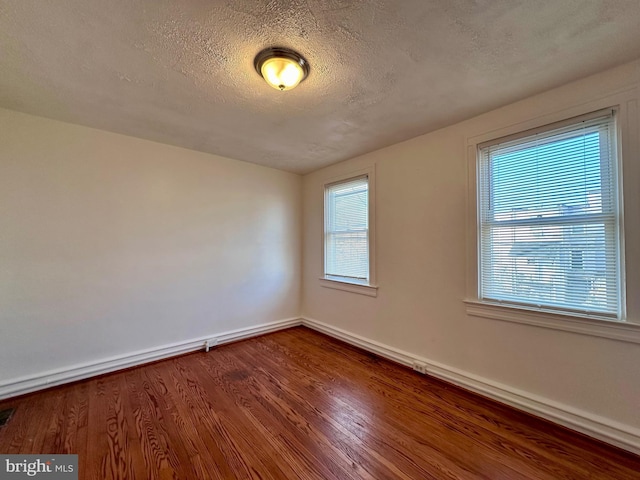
{"type": "Point", "coordinates": [549, 229]}
{"type": "Point", "coordinates": [347, 229]}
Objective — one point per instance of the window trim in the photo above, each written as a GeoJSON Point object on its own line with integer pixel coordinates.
{"type": "Point", "coordinates": [627, 329]}
{"type": "Point", "coordinates": [592, 325]}
{"type": "Point", "coordinates": [369, 288]}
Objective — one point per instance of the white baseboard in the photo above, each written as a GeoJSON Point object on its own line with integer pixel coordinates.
{"type": "Point", "coordinates": [604, 429]}
{"type": "Point", "coordinates": [32, 383]}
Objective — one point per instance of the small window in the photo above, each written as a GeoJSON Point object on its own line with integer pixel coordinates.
{"type": "Point", "coordinates": [549, 229]}
{"type": "Point", "coordinates": [346, 233]}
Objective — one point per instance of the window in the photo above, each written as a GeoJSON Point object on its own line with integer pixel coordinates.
{"type": "Point", "coordinates": [347, 230]}
{"type": "Point", "coordinates": [549, 221]}
{"type": "Point", "coordinates": [348, 233]}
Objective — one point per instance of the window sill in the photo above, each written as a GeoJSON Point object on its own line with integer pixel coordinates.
{"type": "Point", "coordinates": [353, 287]}
{"type": "Point", "coordinates": [624, 331]}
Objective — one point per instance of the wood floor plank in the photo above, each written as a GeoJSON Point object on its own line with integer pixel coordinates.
{"type": "Point", "coordinates": [14, 433]}
{"type": "Point", "coordinates": [439, 425]}
{"type": "Point", "coordinates": [207, 459]}
{"type": "Point", "coordinates": [37, 432]}
{"type": "Point", "coordinates": [350, 428]}
{"type": "Point", "coordinates": [226, 421]}
{"type": "Point", "coordinates": [556, 458]}
{"type": "Point", "coordinates": [296, 404]}
{"type": "Point", "coordinates": [451, 462]}
{"type": "Point", "coordinates": [225, 378]}
{"type": "Point", "coordinates": [286, 420]}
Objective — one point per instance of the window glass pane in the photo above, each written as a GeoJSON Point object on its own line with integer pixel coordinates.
{"type": "Point", "coordinates": [558, 177]}
{"type": "Point", "coordinates": [549, 232]}
{"type": "Point", "coordinates": [346, 229]}
{"type": "Point", "coordinates": [551, 265]}
{"type": "Point", "coordinates": [349, 252]}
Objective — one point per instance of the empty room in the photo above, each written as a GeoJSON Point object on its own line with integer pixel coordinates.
{"type": "Point", "coordinates": [320, 239]}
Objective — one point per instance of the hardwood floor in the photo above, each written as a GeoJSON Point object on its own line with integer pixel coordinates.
{"type": "Point", "coordinates": [296, 404]}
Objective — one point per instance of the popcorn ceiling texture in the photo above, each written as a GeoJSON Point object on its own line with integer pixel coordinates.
{"type": "Point", "coordinates": [181, 72]}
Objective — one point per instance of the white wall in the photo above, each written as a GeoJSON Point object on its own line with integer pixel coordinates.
{"type": "Point", "coordinates": [421, 267]}
{"type": "Point", "coordinates": [111, 244]}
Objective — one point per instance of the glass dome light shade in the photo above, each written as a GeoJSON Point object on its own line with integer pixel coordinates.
{"type": "Point", "coordinates": [281, 68]}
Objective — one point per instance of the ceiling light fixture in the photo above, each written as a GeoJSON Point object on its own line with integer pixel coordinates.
{"type": "Point", "coordinates": [281, 68]}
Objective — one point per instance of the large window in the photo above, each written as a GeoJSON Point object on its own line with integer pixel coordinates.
{"type": "Point", "coordinates": [347, 230]}
{"type": "Point", "coordinates": [549, 222]}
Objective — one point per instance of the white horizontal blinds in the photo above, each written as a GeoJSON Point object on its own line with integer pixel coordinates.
{"type": "Point", "coordinates": [347, 229]}
{"type": "Point", "coordinates": [549, 219]}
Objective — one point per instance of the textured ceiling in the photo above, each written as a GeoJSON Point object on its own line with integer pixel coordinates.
{"type": "Point", "coordinates": [180, 71]}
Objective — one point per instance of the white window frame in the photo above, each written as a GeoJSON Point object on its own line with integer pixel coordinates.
{"type": "Point", "coordinates": [369, 287]}
{"type": "Point", "coordinates": [628, 327]}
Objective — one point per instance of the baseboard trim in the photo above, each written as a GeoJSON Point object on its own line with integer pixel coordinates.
{"type": "Point", "coordinates": [32, 383]}
{"type": "Point", "coordinates": [600, 428]}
